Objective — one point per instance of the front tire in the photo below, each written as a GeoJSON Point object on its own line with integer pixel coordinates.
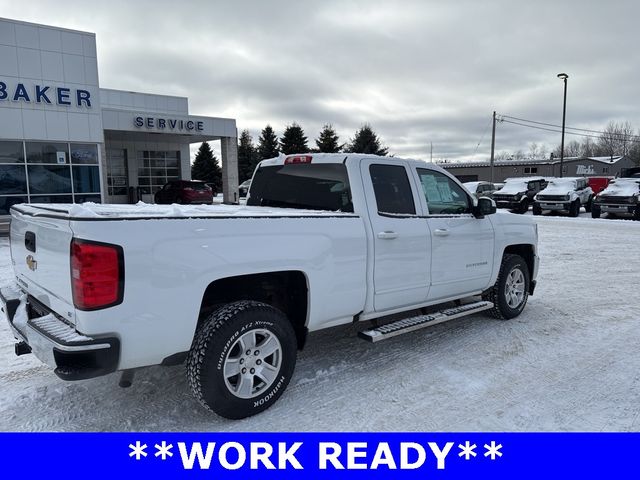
{"type": "Point", "coordinates": [574, 209]}
{"type": "Point", "coordinates": [537, 209]}
{"type": "Point", "coordinates": [242, 359]}
{"type": "Point", "coordinates": [589, 205]}
{"type": "Point", "coordinates": [524, 206]}
{"type": "Point", "coordinates": [510, 292]}
{"type": "Point", "coordinates": [595, 211]}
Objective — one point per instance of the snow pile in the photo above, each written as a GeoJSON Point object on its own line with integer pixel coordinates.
{"type": "Point", "coordinates": [513, 187]}
{"type": "Point", "coordinates": [622, 187]}
{"type": "Point", "coordinates": [560, 186]}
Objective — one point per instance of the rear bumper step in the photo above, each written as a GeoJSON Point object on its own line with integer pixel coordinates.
{"type": "Point", "coordinates": [406, 325]}
{"type": "Point", "coordinates": [73, 356]}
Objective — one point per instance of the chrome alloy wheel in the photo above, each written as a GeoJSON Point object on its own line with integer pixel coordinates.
{"type": "Point", "coordinates": [253, 363]}
{"type": "Point", "coordinates": [514, 288]}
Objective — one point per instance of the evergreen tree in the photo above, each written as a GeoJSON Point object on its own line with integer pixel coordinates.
{"type": "Point", "coordinates": [327, 142]}
{"type": "Point", "coordinates": [293, 140]}
{"type": "Point", "coordinates": [267, 144]}
{"type": "Point", "coordinates": [247, 156]}
{"type": "Point", "coordinates": [366, 141]}
{"type": "Point", "coordinates": [205, 167]}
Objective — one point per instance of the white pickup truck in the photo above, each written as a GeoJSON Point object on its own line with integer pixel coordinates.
{"type": "Point", "coordinates": [324, 240]}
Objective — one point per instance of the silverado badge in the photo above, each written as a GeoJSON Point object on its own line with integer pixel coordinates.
{"type": "Point", "coordinates": [32, 263]}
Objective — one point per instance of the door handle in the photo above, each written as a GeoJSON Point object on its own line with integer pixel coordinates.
{"type": "Point", "coordinates": [441, 232]}
{"type": "Point", "coordinates": [387, 235]}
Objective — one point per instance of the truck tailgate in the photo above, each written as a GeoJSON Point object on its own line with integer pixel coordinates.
{"type": "Point", "coordinates": [40, 253]}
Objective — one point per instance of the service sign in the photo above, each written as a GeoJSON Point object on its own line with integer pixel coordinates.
{"type": "Point", "coordinates": [168, 124]}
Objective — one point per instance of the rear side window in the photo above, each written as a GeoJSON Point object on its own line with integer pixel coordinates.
{"type": "Point", "coordinates": [322, 186]}
{"type": "Point", "coordinates": [392, 189]}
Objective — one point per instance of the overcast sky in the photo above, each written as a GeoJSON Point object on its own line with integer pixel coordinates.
{"type": "Point", "coordinates": [418, 72]}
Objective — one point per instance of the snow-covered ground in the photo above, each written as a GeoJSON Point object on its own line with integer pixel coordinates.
{"type": "Point", "coordinates": [569, 362]}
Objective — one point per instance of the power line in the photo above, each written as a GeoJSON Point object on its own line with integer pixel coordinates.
{"type": "Point", "coordinates": [482, 137]}
{"type": "Point", "coordinates": [599, 132]}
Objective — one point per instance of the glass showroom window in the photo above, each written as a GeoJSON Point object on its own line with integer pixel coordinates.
{"type": "Point", "coordinates": [85, 172]}
{"type": "Point", "coordinates": [117, 175]}
{"type": "Point", "coordinates": [62, 173]}
{"type": "Point", "coordinates": [48, 172]}
{"type": "Point", "coordinates": [13, 179]}
{"type": "Point", "coordinates": [157, 168]}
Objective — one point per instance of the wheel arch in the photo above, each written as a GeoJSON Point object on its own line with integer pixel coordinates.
{"type": "Point", "coordinates": [524, 250]}
{"type": "Point", "coordinates": [287, 290]}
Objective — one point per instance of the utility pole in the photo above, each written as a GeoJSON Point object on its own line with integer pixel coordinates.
{"type": "Point", "coordinates": [493, 144]}
{"type": "Point", "coordinates": [563, 77]}
{"type": "Point", "coordinates": [431, 143]}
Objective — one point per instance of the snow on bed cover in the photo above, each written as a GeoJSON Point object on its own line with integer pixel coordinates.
{"type": "Point", "coordinates": [622, 187]}
{"type": "Point", "coordinates": [142, 210]}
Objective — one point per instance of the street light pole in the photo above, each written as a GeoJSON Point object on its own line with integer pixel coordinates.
{"type": "Point", "coordinates": [563, 76]}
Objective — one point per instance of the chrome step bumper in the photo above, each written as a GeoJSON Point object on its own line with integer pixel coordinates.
{"type": "Point", "coordinates": [74, 356]}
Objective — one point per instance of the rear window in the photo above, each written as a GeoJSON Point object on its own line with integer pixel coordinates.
{"type": "Point", "coordinates": [196, 185]}
{"type": "Point", "coordinates": [322, 186]}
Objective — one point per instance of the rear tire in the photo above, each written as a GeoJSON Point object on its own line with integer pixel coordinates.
{"type": "Point", "coordinates": [242, 359]}
{"type": "Point", "coordinates": [510, 292]}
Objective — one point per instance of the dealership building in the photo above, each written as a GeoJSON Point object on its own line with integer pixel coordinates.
{"type": "Point", "coordinates": [64, 139]}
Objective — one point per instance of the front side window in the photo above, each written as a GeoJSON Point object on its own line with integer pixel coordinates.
{"type": "Point", "coordinates": [392, 189]}
{"type": "Point", "coordinates": [443, 195]}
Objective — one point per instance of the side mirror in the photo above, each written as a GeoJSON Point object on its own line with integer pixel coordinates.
{"type": "Point", "coordinates": [485, 206]}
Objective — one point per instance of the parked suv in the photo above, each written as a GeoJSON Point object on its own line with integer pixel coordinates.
{"type": "Point", "coordinates": [481, 189]}
{"type": "Point", "coordinates": [622, 196]}
{"type": "Point", "coordinates": [564, 194]}
{"type": "Point", "coordinates": [517, 193]}
{"type": "Point", "coordinates": [184, 191]}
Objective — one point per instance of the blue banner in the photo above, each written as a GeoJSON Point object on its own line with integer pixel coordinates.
{"type": "Point", "coordinates": [319, 455]}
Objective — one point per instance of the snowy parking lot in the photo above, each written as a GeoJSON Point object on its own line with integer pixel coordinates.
{"type": "Point", "coordinates": [569, 362]}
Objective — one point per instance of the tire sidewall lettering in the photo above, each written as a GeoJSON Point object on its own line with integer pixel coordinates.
{"type": "Point", "coordinates": [260, 402]}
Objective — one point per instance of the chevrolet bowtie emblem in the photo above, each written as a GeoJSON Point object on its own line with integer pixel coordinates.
{"type": "Point", "coordinates": [32, 263]}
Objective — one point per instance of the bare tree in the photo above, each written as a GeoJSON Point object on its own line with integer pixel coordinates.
{"type": "Point", "coordinates": [534, 150]}
{"type": "Point", "coordinates": [572, 149]}
{"type": "Point", "coordinates": [616, 139]}
{"type": "Point", "coordinates": [588, 148]}
{"type": "Point", "coordinates": [544, 152]}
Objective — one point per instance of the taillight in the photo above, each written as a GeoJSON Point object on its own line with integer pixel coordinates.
{"type": "Point", "coordinates": [97, 274]}
{"type": "Point", "coordinates": [298, 159]}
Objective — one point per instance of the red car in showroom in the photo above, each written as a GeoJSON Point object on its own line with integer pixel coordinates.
{"type": "Point", "coordinates": [184, 191]}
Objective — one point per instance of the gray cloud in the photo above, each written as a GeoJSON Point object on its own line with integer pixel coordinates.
{"type": "Point", "coordinates": [418, 71]}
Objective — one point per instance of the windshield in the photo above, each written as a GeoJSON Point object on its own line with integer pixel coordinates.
{"type": "Point", "coordinates": [323, 186]}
